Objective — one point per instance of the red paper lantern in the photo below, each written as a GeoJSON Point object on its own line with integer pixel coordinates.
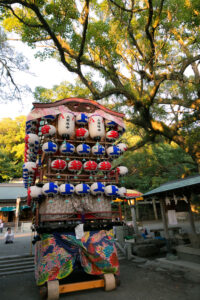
{"type": "Point", "coordinates": [75, 165]}
{"type": "Point", "coordinates": [112, 135]}
{"type": "Point", "coordinates": [82, 133]}
{"type": "Point", "coordinates": [90, 166]}
{"type": "Point", "coordinates": [58, 164]}
{"type": "Point", "coordinates": [104, 166]}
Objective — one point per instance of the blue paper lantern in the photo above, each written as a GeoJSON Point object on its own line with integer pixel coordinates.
{"type": "Point", "coordinates": [110, 124]}
{"type": "Point", "coordinates": [49, 117]}
{"type": "Point", "coordinates": [111, 190]}
{"type": "Point", "coordinates": [67, 148]}
{"type": "Point", "coordinates": [82, 189]}
{"type": "Point", "coordinates": [113, 151]}
{"type": "Point", "coordinates": [98, 150]}
{"type": "Point", "coordinates": [66, 189]}
{"type": "Point", "coordinates": [83, 149]}
{"type": "Point", "coordinates": [81, 119]}
{"type": "Point", "coordinates": [97, 188]}
{"type": "Point", "coordinates": [49, 147]}
{"type": "Point", "coordinates": [50, 188]}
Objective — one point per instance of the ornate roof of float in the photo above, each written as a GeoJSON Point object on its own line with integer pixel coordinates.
{"type": "Point", "coordinates": [80, 105]}
{"type": "Point", "coordinates": [189, 182]}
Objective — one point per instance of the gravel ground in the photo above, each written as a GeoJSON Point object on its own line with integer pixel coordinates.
{"type": "Point", "coordinates": [138, 283]}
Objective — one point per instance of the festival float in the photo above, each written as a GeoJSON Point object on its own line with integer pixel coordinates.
{"type": "Point", "coordinates": [69, 149]}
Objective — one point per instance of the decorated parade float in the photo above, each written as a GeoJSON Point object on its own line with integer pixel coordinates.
{"type": "Point", "coordinates": [69, 148]}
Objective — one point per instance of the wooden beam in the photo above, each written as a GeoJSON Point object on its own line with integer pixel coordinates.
{"type": "Point", "coordinates": [191, 217]}
{"type": "Point", "coordinates": [154, 208]}
{"type": "Point", "coordinates": [78, 286]}
{"type": "Point", "coordinates": [164, 218]}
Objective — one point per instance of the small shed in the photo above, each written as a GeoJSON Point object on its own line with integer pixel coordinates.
{"type": "Point", "coordinates": [12, 201]}
{"type": "Point", "coordinates": [169, 195]}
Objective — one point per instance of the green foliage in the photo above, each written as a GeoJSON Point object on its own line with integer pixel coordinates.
{"type": "Point", "coordinates": [62, 91]}
{"type": "Point", "coordinates": [134, 55]}
{"type": "Point", "coordinates": [154, 165]}
{"type": "Point", "coordinates": [12, 134]}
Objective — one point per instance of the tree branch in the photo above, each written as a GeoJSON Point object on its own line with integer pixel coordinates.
{"type": "Point", "coordinates": [84, 32]}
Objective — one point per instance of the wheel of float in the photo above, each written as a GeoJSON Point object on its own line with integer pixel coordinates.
{"type": "Point", "coordinates": [43, 292]}
{"type": "Point", "coordinates": [117, 280]}
{"type": "Point", "coordinates": [53, 290]}
{"type": "Point", "coordinates": [109, 281]}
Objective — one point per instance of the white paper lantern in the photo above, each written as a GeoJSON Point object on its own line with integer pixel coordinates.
{"type": "Point", "coordinates": [82, 189]}
{"type": "Point", "coordinates": [113, 151]}
{"type": "Point", "coordinates": [66, 125]}
{"type": "Point", "coordinates": [122, 192]}
{"type": "Point", "coordinates": [98, 150]}
{"type": "Point", "coordinates": [50, 188]}
{"type": "Point", "coordinates": [58, 164]}
{"type": "Point", "coordinates": [83, 149]}
{"type": "Point", "coordinates": [123, 147]}
{"type": "Point", "coordinates": [82, 119]}
{"type": "Point", "coordinates": [110, 124]}
{"type": "Point", "coordinates": [122, 170]}
{"type": "Point", "coordinates": [48, 130]}
{"type": "Point", "coordinates": [82, 133]}
{"type": "Point", "coordinates": [49, 147]}
{"type": "Point", "coordinates": [104, 166]}
{"type": "Point", "coordinates": [75, 165]}
{"type": "Point", "coordinates": [90, 166]}
{"type": "Point", "coordinates": [96, 127]}
{"type": "Point", "coordinates": [97, 188]}
{"type": "Point", "coordinates": [67, 148]}
{"type": "Point", "coordinates": [66, 189]}
{"type": "Point", "coordinates": [35, 192]}
{"type": "Point", "coordinates": [32, 139]}
{"type": "Point", "coordinates": [112, 135]}
{"type": "Point", "coordinates": [29, 167]}
{"type": "Point", "coordinates": [111, 190]}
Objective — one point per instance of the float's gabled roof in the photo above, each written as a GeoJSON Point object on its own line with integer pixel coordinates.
{"type": "Point", "coordinates": [78, 101]}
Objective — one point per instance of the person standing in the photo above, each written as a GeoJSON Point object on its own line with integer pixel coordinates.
{"type": "Point", "coordinates": [9, 236]}
{"type": "Point", "coordinates": [1, 226]}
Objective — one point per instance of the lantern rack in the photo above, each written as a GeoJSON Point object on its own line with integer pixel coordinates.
{"type": "Point", "coordinates": [88, 141]}
{"type": "Point", "coordinates": [78, 216]}
{"type": "Point", "coordinates": [81, 177]}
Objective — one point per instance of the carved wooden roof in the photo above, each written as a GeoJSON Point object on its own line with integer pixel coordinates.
{"type": "Point", "coordinates": [79, 104]}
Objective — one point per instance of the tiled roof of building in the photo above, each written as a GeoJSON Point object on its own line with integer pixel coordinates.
{"type": "Point", "coordinates": [176, 184]}
{"type": "Point", "coordinates": [9, 191]}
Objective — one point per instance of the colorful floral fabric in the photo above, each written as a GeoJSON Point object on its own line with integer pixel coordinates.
{"type": "Point", "coordinates": [56, 255]}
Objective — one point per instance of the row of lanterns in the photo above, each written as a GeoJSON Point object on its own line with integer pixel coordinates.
{"type": "Point", "coordinates": [66, 127]}
{"type": "Point", "coordinates": [84, 149]}
{"type": "Point", "coordinates": [97, 188]}
{"type": "Point", "coordinates": [69, 119]}
{"type": "Point", "coordinates": [75, 165]}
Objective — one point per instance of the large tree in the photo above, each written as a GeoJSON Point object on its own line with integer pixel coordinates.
{"type": "Point", "coordinates": [12, 133]}
{"type": "Point", "coordinates": [142, 55]}
{"type": "Point", "coordinates": [10, 63]}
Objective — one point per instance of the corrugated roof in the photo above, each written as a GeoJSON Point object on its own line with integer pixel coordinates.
{"type": "Point", "coordinates": [9, 191]}
{"type": "Point", "coordinates": [177, 184]}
